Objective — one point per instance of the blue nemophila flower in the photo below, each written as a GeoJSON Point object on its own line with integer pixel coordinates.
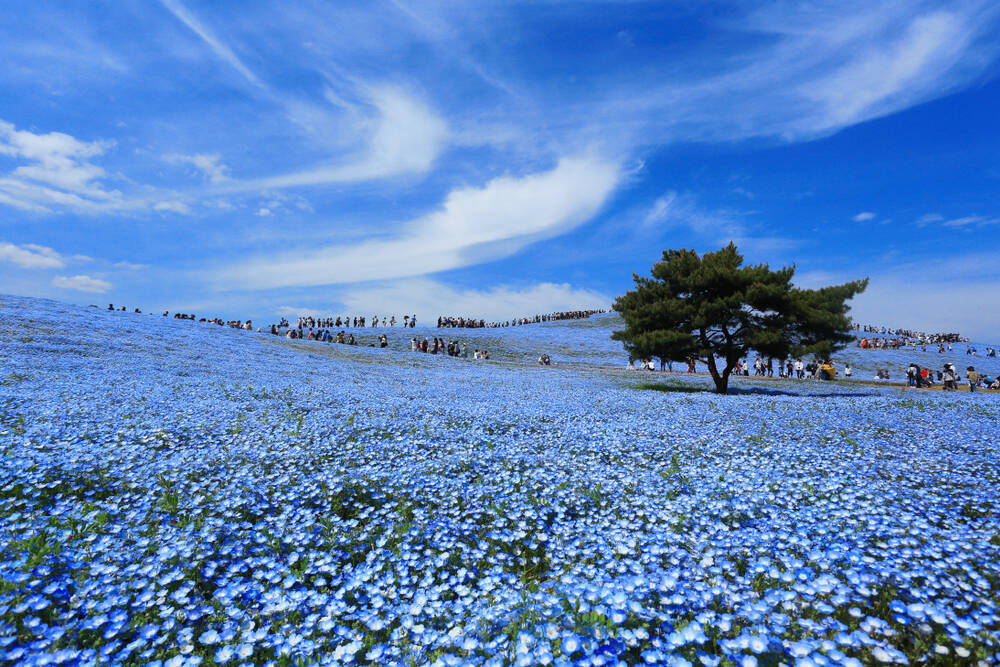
{"type": "Point", "coordinates": [224, 654]}
{"type": "Point", "coordinates": [209, 637]}
{"type": "Point", "coordinates": [246, 501]}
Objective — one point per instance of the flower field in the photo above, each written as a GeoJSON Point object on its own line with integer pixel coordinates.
{"type": "Point", "coordinates": [176, 493]}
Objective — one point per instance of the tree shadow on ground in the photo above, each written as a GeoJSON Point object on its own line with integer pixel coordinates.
{"type": "Point", "coordinates": [685, 388]}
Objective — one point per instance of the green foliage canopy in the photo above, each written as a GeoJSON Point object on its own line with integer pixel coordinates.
{"type": "Point", "coordinates": [713, 308]}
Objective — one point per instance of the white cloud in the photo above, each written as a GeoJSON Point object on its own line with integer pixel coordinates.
{"type": "Point", "coordinates": [178, 207]}
{"type": "Point", "coordinates": [970, 221]}
{"type": "Point", "coordinates": [967, 221]}
{"type": "Point", "coordinates": [472, 226]}
{"type": "Point", "coordinates": [213, 42]}
{"type": "Point", "coordinates": [675, 209]}
{"type": "Point", "coordinates": [820, 67]}
{"type": "Point", "coordinates": [58, 158]}
{"type": "Point", "coordinates": [31, 256]}
{"type": "Point", "coordinates": [954, 298]}
{"type": "Point", "coordinates": [405, 138]}
{"type": "Point", "coordinates": [263, 212]}
{"type": "Point", "coordinates": [82, 284]}
{"type": "Point", "coordinates": [58, 173]}
{"type": "Point", "coordinates": [429, 299]}
{"type": "Point", "coordinates": [660, 211]}
{"type": "Point", "coordinates": [130, 266]}
{"type": "Point", "coordinates": [863, 216]}
{"type": "Point", "coordinates": [915, 302]}
{"type": "Point", "coordinates": [929, 218]}
{"type": "Point", "coordinates": [209, 164]}
{"type": "Point", "coordinates": [871, 83]}
{"type": "Point", "coordinates": [17, 202]}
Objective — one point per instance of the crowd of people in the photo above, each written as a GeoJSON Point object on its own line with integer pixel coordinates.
{"type": "Point", "coordinates": [903, 343]}
{"type": "Point", "coordinates": [453, 348]}
{"type": "Point", "coordinates": [916, 376]}
{"type": "Point", "coordinates": [908, 336]}
{"type": "Point", "coordinates": [321, 329]}
{"type": "Point", "coordinates": [324, 336]}
{"type": "Point", "coordinates": [761, 367]}
{"type": "Point", "coordinates": [235, 324]}
{"type": "Point", "coordinates": [949, 378]}
{"type": "Point", "coordinates": [357, 322]}
{"type": "Point", "coordinates": [450, 322]}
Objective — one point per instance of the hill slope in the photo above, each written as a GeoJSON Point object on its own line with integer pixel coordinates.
{"type": "Point", "coordinates": [174, 489]}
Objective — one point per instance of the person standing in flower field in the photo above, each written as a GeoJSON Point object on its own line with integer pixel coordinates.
{"type": "Point", "coordinates": [973, 377]}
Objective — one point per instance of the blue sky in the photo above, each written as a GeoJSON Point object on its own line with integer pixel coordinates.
{"type": "Point", "coordinates": [496, 158]}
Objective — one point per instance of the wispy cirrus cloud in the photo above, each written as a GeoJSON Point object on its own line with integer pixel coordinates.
{"type": "Point", "coordinates": [355, 105]}
{"type": "Point", "coordinates": [970, 221]}
{"type": "Point", "coordinates": [130, 266]}
{"type": "Point", "coordinates": [962, 222]}
{"type": "Point", "coordinates": [209, 164]}
{"type": "Point", "coordinates": [822, 67]}
{"type": "Point", "coordinates": [405, 138]}
{"type": "Point", "coordinates": [218, 47]}
{"type": "Point", "coordinates": [712, 227]}
{"type": "Point", "coordinates": [472, 226]}
{"type": "Point", "coordinates": [173, 206]}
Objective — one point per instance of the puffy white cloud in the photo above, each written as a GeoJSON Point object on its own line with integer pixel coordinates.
{"type": "Point", "coordinates": [472, 226]}
{"type": "Point", "coordinates": [82, 284]}
{"type": "Point", "coordinates": [429, 299]}
{"type": "Point", "coordinates": [130, 266]}
{"type": "Point", "coordinates": [59, 159]}
{"type": "Point", "coordinates": [58, 174]}
{"type": "Point", "coordinates": [31, 256]}
{"type": "Point", "coordinates": [864, 216]}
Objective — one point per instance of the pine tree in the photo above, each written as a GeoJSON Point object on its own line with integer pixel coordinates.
{"type": "Point", "coordinates": [716, 310]}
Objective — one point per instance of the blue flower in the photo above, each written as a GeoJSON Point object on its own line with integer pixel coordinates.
{"type": "Point", "coordinates": [209, 637]}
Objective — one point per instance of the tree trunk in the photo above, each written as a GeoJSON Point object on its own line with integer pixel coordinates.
{"type": "Point", "coordinates": [721, 379]}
